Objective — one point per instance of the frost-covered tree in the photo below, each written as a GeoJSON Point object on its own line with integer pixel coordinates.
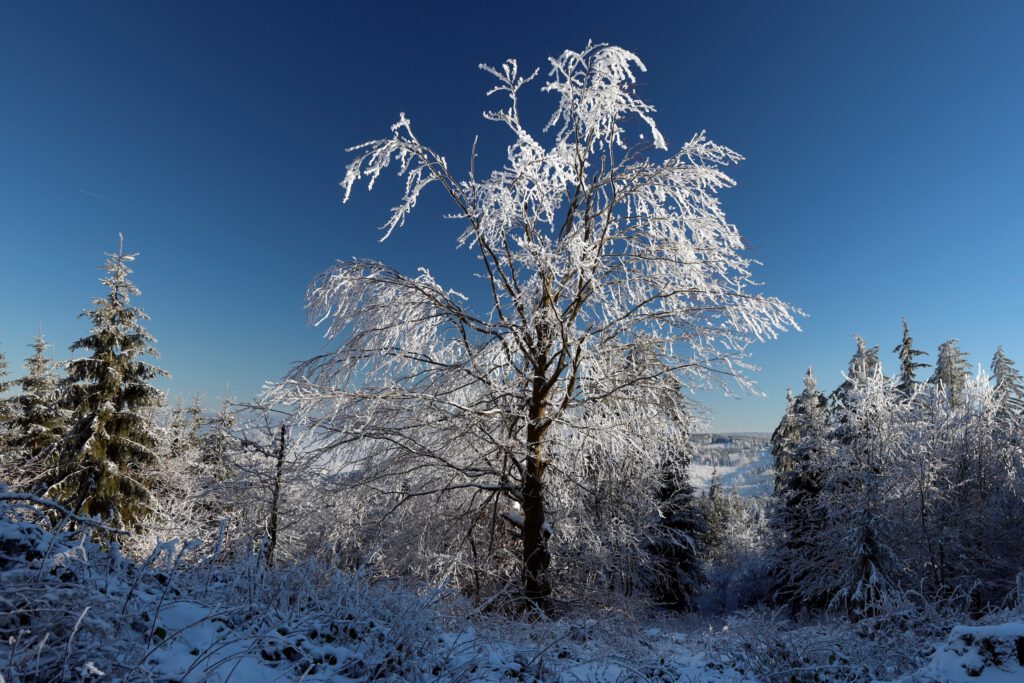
{"type": "Point", "coordinates": [920, 491]}
{"type": "Point", "coordinates": [678, 539]}
{"type": "Point", "coordinates": [863, 365]}
{"type": "Point", "coordinates": [1008, 391]}
{"type": "Point", "coordinates": [593, 240]}
{"type": "Point", "coordinates": [185, 498]}
{"type": "Point", "coordinates": [97, 467]}
{"type": "Point", "coordinates": [736, 542]}
{"type": "Point", "coordinates": [909, 365]}
{"type": "Point", "coordinates": [797, 518]}
{"type": "Point", "coordinates": [217, 438]}
{"type": "Point", "coordinates": [40, 419]}
{"type": "Point", "coordinates": [951, 371]}
{"type": "Point", "coordinates": [784, 441]}
{"type": "Point", "coordinates": [856, 565]}
{"type": "Point", "coordinates": [278, 494]}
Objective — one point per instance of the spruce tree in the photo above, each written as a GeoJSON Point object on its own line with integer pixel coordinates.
{"type": "Point", "coordinates": [784, 441]}
{"type": "Point", "coordinates": [858, 569]}
{"type": "Point", "coordinates": [715, 510]}
{"type": "Point", "coordinates": [797, 518]}
{"type": "Point", "coordinates": [863, 364]}
{"type": "Point", "coordinates": [1008, 392]}
{"type": "Point", "coordinates": [908, 362]}
{"type": "Point", "coordinates": [678, 539]}
{"type": "Point", "coordinates": [98, 468]}
{"type": "Point", "coordinates": [4, 384]}
{"type": "Point", "coordinates": [40, 420]}
{"type": "Point", "coordinates": [951, 371]}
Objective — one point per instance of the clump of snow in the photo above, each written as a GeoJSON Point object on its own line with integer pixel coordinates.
{"type": "Point", "coordinates": [985, 654]}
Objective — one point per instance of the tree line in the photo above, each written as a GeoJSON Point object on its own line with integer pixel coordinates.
{"type": "Point", "coordinates": [85, 437]}
{"type": "Point", "coordinates": [892, 487]}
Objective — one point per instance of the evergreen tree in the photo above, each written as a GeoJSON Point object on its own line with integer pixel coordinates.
{"type": "Point", "coordinates": [40, 419]}
{"type": "Point", "coordinates": [1008, 392]}
{"type": "Point", "coordinates": [857, 567]}
{"type": "Point", "coordinates": [908, 362]}
{"type": "Point", "coordinates": [784, 442]}
{"type": "Point", "coordinates": [715, 510]}
{"type": "Point", "coordinates": [797, 518]}
{"type": "Point", "coordinates": [951, 371]}
{"type": "Point", "coordinates": [678, 539]}
{"type": "Point", "coordinates": [863, 364]}
{"type": "Point", "coordinates": [4, 384]}
{"type": "Point", "coordinates": [98, 467]}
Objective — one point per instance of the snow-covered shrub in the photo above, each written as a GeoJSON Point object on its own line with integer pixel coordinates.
{"type": "Point", "coordinates": [75, 609]}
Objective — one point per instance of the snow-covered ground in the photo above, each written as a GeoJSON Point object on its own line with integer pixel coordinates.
{"type": "Point", "coordinates": [74, 610]}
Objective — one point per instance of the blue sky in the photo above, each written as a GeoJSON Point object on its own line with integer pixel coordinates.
{"type": "Point", "coordinates": [883, 144]}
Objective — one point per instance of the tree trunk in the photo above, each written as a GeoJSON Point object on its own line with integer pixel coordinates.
{"type": "Point", "coordinates": [536, 558]}
{"type": "Point", "coordinates": [275, 501]}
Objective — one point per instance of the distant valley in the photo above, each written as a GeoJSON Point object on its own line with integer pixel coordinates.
{"type": "Point", "coordinates": [742, 461]}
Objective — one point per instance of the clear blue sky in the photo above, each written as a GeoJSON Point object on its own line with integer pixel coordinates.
{"type": "Point", "coordinates": [884, 144]}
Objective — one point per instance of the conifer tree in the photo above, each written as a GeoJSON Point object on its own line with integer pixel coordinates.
{"type": "Point", "coordinates": [98, 467]}
{"type": "Point", "coordinates": [4, 384]}
{"type": "Point", "coordinates": [40, 419]}
{"type": "Point", "coordinates": [784, 441]}
{"type": "Point", "coordinates": [863, 364]}
{"type": "Point", "coordinates": [678, 539]}
{"type": "Point", "coordinates": [715, 509]}
{"type": "Point", "coordinates": [797, 517]}
{"type": "Point", "coordinates": [1008, 392]}
{"type": "Point", "coordinates": [951, 371]}
{"type": "Point", "coordinates": [908, 362]}
{"type": "Point", "coordinates": [858, 569]}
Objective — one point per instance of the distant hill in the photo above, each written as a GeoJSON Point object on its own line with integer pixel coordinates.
{"type": "Point", "coordinates": [743, 461]}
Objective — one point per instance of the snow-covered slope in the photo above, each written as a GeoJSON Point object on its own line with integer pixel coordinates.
{"type": "Point", "coordinates": [742, 462]}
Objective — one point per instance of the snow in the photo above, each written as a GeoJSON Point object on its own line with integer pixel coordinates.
{"type": "Point", "coordinates": [741, 462]}
{"type": "Point", "coordinates": [80, 611]}
{"type": "Point", "coordinates": [85, 612]}
{"type": "Point", "coordinates": [982, 654]}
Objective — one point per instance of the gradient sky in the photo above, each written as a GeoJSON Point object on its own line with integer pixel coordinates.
{"type": "Point", "coordinates": [883, 144]}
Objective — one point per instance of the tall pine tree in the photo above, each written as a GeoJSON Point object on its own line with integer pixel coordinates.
{"type": "Point", "coordinates": [909, 364]}
{"type": "Point", "coordinates": [97, 470]}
